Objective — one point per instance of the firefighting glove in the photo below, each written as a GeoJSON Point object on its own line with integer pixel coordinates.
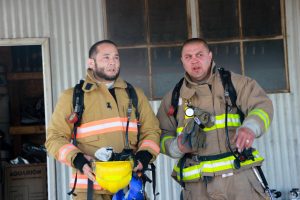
{"type": "Point", "coordinates": [198, 139]}
{"type": "Point", "coordinates": [187, 133]}
{"type": "Point", "coordinates": [143, 157]}
{"type": "Point", "coordinates": [80, 161]}
{"type": "Point", "coordinates": [193, 134]}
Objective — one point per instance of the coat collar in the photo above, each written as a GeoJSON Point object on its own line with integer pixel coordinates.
{"type": "Point", "coordinates": [91, 83]}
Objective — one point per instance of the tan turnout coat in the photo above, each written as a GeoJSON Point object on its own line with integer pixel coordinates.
{"type": "Point", "coordinates": [101, 125]}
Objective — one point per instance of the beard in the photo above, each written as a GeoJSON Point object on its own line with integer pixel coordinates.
{"type": "Point", "coordinates": [99, 73]}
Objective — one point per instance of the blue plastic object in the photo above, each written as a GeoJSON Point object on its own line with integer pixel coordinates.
{"type": "Point", "coordinates": [119, 195]}
{"type": "Point", "coordinates": [135, 191]}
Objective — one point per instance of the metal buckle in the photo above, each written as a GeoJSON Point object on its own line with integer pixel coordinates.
{"type": "Point", "coordinates": [195, 158]}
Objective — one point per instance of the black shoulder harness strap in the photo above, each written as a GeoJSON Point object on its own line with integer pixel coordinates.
{"type": "Point", "coordinates": [175, 99]}
{"type": "Point", "coordinates": [134, 98]}
{"type": "Point", "coordinates": [78, 106]}
{"type": "Point", "coordinates": [227, 84]}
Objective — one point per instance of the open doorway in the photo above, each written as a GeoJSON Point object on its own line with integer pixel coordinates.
{"type": "Point", "coordinates": [24, 91]}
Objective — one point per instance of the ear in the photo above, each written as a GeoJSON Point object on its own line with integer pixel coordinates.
{"type": "Point", "coordinates": [91, 63]}
{"type": "Point", "coordinates": [210, 54]}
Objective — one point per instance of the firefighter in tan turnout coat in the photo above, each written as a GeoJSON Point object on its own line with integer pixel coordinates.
{"type": "Point", "coordinates": [197, 134]}
{"type": "Point", "coordinates": [103, 123]}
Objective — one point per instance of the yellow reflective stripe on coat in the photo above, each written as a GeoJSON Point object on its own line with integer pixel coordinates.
{"type": "Point", "coordinates": [162, 142]}
{"type": "Point", "coordinates": [262, 115]}
{"type": "Point", "coordinates": [214, 166]}
{"type": "Point", "coordinates": [233, 120]}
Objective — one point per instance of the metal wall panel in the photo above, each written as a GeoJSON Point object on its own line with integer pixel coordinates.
{"type": "Point", "coordinates": [74, 25]}
{"type": "Point", "coordinates": [24, 18]}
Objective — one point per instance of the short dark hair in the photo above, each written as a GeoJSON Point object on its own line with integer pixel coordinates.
{"type": "Point", "coordinates": [93, 49]}
{"type": "Point", "coordinates": [195, 40]}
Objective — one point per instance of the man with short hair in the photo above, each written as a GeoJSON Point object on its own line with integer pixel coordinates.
{"type": "Point", "coordinates": [109, 120]}
{"type": "Point", "coordinates": [207, 133]}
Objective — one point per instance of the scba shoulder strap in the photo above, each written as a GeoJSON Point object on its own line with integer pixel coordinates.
{"type": "Point", "coordinates": [134, 98]}
{"type": "Point", "coordinates": [75, 118]}
{"type": "Point", "coordinates": [175, 99]}
{"type": "Point", "coordinates": [227, 85]}
{"type": "Point", "coordinates": [78, 106]}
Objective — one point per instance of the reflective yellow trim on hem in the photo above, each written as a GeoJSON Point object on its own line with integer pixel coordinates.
{"type": "Point", "coordinates": [214, 166]}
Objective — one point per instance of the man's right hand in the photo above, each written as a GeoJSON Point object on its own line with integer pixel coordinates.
{"type": "Point", "coordinates": [87, 170]}
{"type": "Point", "coordinates": [82, 163]}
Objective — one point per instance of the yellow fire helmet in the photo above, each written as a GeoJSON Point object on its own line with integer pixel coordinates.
{"type": "Point", "coordinates": [113, 175]}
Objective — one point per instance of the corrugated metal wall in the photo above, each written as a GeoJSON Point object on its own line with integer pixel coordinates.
{"type": "Point", "coordinates": [73, 25]}
{"type": "Point", "coordinates": [281, 146]}
{"type": "Point", "coordinates": [24, 18]}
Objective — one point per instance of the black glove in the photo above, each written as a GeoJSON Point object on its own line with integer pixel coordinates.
{"type": "Point", "coordinates": [144, 157]}
{"type": "Point", "coordinates": [80, 161]}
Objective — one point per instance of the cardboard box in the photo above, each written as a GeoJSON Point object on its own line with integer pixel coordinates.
{"type": "Point", "coordinates": [26, 182]}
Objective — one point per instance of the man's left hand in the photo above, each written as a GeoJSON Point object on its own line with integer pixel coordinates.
{"type": "Point", "coordinates": [244, 138]}
{"type": "Point", "coordinates": [141, 160]}
{"type": "Point", "coordinates": [139, 167]}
